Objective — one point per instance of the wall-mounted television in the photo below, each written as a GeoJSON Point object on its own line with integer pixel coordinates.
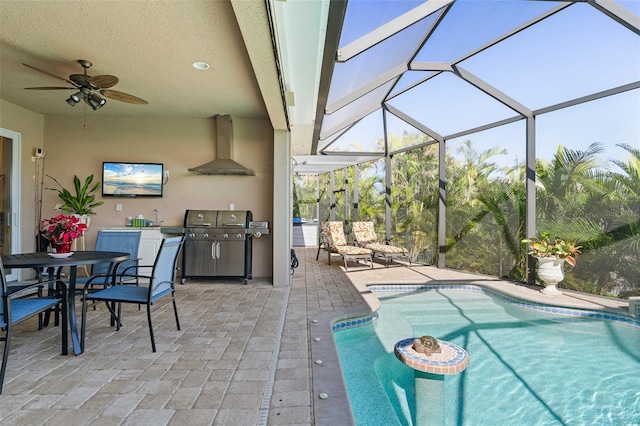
{"type": "Point", "coordinates": [132, 179]}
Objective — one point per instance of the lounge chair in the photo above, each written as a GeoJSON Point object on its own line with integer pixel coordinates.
{"type": "Point", "coordinates": [332, 239]}
{"type": "Point", "coordinates": [365, 235]}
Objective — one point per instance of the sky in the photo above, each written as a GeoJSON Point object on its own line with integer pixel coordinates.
{"type": "Point", "coordinates": [573, 53]}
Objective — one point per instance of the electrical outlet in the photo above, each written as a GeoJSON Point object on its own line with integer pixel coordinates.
{"type": "Point", "coordinates": [166, 173]}
{"type": "Point", "coordinates": [118, 207]}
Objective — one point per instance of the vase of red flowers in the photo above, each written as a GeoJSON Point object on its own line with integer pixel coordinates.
{"type": "Point", "coordinates": [62, 230]}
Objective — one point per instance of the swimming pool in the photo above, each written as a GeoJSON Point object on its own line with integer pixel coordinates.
{"type": "Point", "coordinates": [530, 364]}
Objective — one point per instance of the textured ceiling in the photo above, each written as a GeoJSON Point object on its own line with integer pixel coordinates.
{"type": "Point", "coordinates": [149, 46]}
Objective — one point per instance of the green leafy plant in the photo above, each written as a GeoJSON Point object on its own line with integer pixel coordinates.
{"type": "Point", "coordinates": [545, 246]}
{"type": "Point", "coordinates": [83, 201]}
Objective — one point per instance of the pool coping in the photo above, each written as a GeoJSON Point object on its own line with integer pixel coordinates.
{"type": "Point", "coordinates": [330, 396]}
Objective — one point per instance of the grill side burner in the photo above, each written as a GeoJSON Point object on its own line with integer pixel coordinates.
{"type": "Point", "coordinates": [218, 244]}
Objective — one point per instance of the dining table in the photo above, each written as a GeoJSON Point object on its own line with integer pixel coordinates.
{"type": "Point", "coordinates": [53, 262]}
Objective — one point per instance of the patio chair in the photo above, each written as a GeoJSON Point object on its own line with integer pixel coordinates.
{"type": "Point", "coordinates": [101, 274]}
{"type": "Point", "coordinates": [161, 283]}
{"type": "Point", "coordinates": [126, 242]}
{"type": "Point", "coordinates": [365, 235]}
{"type": "Point", "coordinates": [332, 239]}
{"type": "Point", "coordinates": [14, 309]}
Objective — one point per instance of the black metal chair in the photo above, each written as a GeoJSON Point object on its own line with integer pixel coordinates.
{"type": "Point", "coordinates": [161, 283]}
{"type": "Point", "coordinates": [14, 309]}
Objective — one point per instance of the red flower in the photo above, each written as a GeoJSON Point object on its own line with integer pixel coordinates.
{"type": "Point", "coordinates": [62, 228]}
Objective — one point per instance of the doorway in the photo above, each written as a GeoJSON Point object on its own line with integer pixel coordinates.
{"type": "Point", "coordinates": [10, 149]}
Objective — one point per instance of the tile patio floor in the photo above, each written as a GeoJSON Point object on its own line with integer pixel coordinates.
{"type": "Point", "coordinates": [244, 356]}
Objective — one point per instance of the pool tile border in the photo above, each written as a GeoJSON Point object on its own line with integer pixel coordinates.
{"type": "Point", "coordinates": [346, 323]}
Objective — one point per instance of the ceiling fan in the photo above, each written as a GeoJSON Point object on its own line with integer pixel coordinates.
{"type": "Point", "coordinates": [87, 85]}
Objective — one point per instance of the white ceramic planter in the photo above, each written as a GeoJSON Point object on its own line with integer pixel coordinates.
{"type": "Point", "coordinates": [551, 271]}
{"type": "Point", "coordinates": [84, 218]}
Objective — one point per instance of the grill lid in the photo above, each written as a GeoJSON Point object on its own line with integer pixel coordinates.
{"type": "Point", "coordinates": [232, 219]}
{"type": "Point", "coordinates": [235, 219]}
{"type": "Point", "coordinates": [195, 218]}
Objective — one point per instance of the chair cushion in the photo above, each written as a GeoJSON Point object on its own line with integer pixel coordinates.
{"type": "Point", "coordinates": [364, 232]}
{"type": "Point", "coordinates": [126, 293]}
{"type": "Point", "coordinates": [121, 293]}
{"type": "Point", "coordinates": [332, 235]}
{"type": "Point", "coordinates": [353, 250]}
{"type": "Point", "coordinates": [24, 308]}
{"type": "Point", "coordinates": [383, 248]}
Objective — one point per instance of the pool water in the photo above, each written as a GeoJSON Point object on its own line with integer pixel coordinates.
{"type": "Point", "coordinates": [526, 367]}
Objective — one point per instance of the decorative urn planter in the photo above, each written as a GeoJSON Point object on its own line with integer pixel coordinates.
{"type": "Point", "coordinates": [551, 271]}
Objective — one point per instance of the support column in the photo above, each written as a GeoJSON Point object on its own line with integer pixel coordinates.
{"type": "Point", "coordinates": [530, 219]}
{"type": "Point", "coordinates": [282, 208]}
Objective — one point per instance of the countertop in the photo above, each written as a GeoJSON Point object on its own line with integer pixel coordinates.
{"type": "Point", "coordinates": [178, 229]}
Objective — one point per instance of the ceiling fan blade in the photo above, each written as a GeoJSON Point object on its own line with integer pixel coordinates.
{"type": "Point", "coordinates": [49, 74]}
{"type": "Point", "coordinates": [103, 81]}
{"type": "Point", "coordinates": [123, 97]}
{"type": "Point", "coordinates": [51, 88]}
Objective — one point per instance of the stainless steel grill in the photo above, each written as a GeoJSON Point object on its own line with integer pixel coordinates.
{"type": "Point", "coordinates": [218, 244]}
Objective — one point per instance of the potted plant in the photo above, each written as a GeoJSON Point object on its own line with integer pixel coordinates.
{"type": "Point", "coordinates": [552, 253]}
{"type": "Point", "coordinates": [62, 230]}
{"type": "Point", "coordinates": [83, 202]}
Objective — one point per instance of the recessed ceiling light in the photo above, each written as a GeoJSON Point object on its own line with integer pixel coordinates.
{"type": "Point", "coordinates": [201, 65]}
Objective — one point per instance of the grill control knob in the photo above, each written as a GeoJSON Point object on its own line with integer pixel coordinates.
{"type": "Point", "coordinates": [225, 236]}
{"type": "Point", "coordinates": [238, 236]}
{"type": "Point", "coordinates": [205, 235]}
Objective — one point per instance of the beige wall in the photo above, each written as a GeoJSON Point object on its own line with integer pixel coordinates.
{"type": "Point", "coordinates": [71, 149]}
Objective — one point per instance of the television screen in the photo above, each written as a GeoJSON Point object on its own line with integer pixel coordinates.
{"type": "Point", "coordinates": [132, 179]}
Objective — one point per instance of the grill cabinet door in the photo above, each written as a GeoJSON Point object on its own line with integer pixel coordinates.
{"type": "Point", "coordinates": [231, 260]}
{"type": "Point", "coordinates": [199, 258]}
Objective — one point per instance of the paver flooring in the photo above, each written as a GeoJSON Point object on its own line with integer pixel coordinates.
{"type": "Point", "coordinates": [245, 354]}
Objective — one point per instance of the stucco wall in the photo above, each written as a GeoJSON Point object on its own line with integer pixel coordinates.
{"type": "Point", "coordinates": [73, 149]}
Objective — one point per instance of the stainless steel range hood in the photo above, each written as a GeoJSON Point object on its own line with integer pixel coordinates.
{"type": "Point", "coordinates": [223, 164]}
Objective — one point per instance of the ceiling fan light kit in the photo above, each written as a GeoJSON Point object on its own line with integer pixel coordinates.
{"type": "Point", "coordinates": [86, 85]}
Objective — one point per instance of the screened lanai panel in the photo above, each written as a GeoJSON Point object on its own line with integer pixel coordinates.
{"type": "Point", "coordinates": [362, 17]}
{"type": "Point", "coordinates": [408, 79]}
{"type": "Point", "coordinates": [378, 60]}
{"type": "Point", "coordinates": [485, 202]}
{"type": "Point", "coordinates": [371, 205]}
{"type": "Point", "coordinates": [401, 134]}
{"type": "Point", "coordinates": [367, 135]}
{"type": "Point", "coordinates": [447, 104]}
{"type": "Point", "coordinates": [486, 20]}
{"type": "Point", "coordinates": [354, 111]}
{"type": "Point", "coordinates": [610, 121]}
{"type": "Point", "coordinates": [509, 139]}
{"type": "Point", "coordinates": [574, 53]}
{"type": "Point", "coordinates": [414, 202]}
{"type": "Point", "coordinates": [632, 5]}
{"type": "Point", "coordinates": [589, 191]}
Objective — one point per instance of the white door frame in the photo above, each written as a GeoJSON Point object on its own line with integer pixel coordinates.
{"type": "Point", "coordinates": [13, 217]}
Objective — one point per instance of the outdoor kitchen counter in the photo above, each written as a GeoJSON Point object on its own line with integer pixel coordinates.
{"type": "Point", "coordinates": [163, 229]}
